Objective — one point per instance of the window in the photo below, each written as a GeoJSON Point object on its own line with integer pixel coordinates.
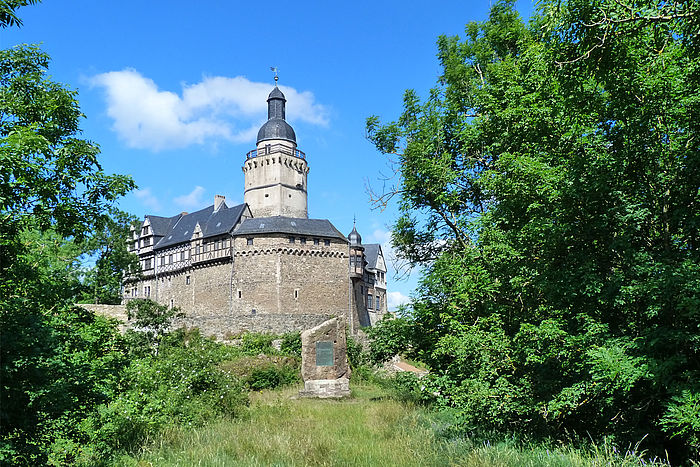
{"type": "Point", "coordinates": [162, 260]}
{"type": "Point", "coordinates": [187, 280]}
{"type": "Point", "coordinates": [170, 259]}
{"type": "Point", "coordinates": [171, 303]}
{"type": "Point", "coordinates": [369, 301]}
{"type": "Point", "coordinates": [302, 240]}
{"type": "Point", "coordinates": [316, 241]}
{"type": "Point", "coordinates": [378, 303]}
{"type": "Point", "coordinates": [182, 256]}
{"type": "Point", "coordinates": [196, 250]}
{"type": "Point", "coordinates": [291, 239]}
{"type": "Point", "coordinates": [147, 241]}
{"type": "Point", "coordinates": [240, 294]}
{"type": "Point", "coordinates": [296, 294]}
{"type": "Point", "coordinates": [249, 241]}
{"type": "Point", "coordinates": [147, 264]}
{"type": "Point", "coordinates": [218, 244]}
{"type": "Point", "coordinates": [327, 242]}
{"type": "Point", "coordinates": [144, 231]}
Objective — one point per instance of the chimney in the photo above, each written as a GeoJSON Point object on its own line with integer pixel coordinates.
{"type": "Point", "coordinates": [218, 201]}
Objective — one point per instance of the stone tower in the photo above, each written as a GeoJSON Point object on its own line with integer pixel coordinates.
{"type": "Point", "coordinates": [276, 171]}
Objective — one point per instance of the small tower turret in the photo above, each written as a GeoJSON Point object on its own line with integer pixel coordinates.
{"type": "Point", "coordinates": [276, 171]}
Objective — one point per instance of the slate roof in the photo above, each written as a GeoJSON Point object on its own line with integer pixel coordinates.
{"type": "Point", "coordinates": [372, 254]}
{"type": "Point", "coordinates": [212, 224]}
{"type": "Point", "coordinates": [289, 225]}
{"type": "Point", "coordinates": [162, 225]}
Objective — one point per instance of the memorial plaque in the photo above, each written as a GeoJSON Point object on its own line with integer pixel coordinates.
{"type": "Point", "coordinates": [324, 353]}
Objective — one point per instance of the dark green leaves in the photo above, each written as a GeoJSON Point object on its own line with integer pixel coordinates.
{"type": "Point", "coordinates": [549, 184]}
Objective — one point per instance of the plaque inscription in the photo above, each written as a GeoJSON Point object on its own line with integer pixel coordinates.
{"type": "Point", "coordinates": [324, 353]}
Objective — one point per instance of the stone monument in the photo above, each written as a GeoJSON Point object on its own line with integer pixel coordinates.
{"type": "Point", "coordinates": [324, 360]}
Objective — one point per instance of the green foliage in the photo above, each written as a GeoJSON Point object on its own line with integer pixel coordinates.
{"type": "Point", "coordinates": [264, 371]}
{"type": "Point", "coordinates": [182, 385]}
{"type": "Point", "coordinates": [49, 176]}
{"type": "Point", "coordinates": [109, 243]}
{"type": "Point", "coordinates": [549, 185]}
{"type": "Point", "coordinates": [272, 377]}
{"type": "Point", "coordinates": [151, 321]}
{"type": "Point", "coordinates": [253, 343]}
{"type": "Point", "coordinates": [58, 362]}
{"type": "Point", "coordinates": [291, 344]}
{"type": "Point", "coordinates": [387, 338]}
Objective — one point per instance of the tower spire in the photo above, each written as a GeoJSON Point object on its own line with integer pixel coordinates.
{"type": "Point", "coordinates": [276, 71]}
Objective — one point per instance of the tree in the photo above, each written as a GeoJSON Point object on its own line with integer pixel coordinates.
{"type": "Point", "coordinates": [109, 244]}
{"type": "Point", "coordinates": [7, 11]}
{"type": "Point", "coordinates": [550, 186]}
{"type": "Point", "coordinates": [57, 361]}
{"type": "Point", "coordinates": [151, 322]}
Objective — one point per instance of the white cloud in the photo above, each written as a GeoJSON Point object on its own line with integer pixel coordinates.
{"type": "Point", "coordinates": [218, 107]}
{"type": "Point", "coordinates": [148, 199]}
{"type": "Point", "coordinates": [192, 200]}
{"type": "Point", "coordinates": [382, 237]}
{"type": "Point", "coordinates": [395, 299]}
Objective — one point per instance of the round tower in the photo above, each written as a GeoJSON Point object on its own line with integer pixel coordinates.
{"type": "Point", "coordinates": [357, 254]}
{"type": "Point", "coordinates": [276, 171]}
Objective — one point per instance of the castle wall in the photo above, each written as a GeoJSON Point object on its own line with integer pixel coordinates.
{"type": "Point", "coordinates": [270, 286]}
{"type": "Point", "coordinates": [275, 276]}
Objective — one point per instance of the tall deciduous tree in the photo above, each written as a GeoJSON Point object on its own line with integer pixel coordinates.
{"type": "Point", "coordinates": [109, 244]}
{"type": "Point", "coordinates": [550, 184]}
{"type": "Point", "coordinates": [57, 362]}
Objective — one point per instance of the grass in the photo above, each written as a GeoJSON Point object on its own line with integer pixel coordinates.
{"type": "Point", "coordinates": [366, 430]}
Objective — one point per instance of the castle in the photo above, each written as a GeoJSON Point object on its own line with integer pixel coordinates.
{"type": "Point", "coordinates": [261, 266]}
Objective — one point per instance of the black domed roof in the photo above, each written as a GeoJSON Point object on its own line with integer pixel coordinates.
{"type": "Point", "coordinates": [354, 237]}
{"type": "Point", "coordinates": [276, 126]}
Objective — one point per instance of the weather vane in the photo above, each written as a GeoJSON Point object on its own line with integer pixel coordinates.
{"type": "Point", "coordinates": [276, 70]}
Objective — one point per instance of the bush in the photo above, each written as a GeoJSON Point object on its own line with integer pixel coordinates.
{"type": "Point", "coordinates": [253, 343]}
{"type": "Point", "coordinates": [264, 372]}
{"type": "Point", "coordinates": [272, 377]}
{"type": "Point", "coordinates": [182, 385]}
{"type": "Point", "coordinates": [291, 344]}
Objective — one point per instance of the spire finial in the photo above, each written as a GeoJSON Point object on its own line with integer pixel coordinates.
{"type": "Point", "coordinates": [276, 71]}
{"type": "Point", "coordinates": [353, 220]}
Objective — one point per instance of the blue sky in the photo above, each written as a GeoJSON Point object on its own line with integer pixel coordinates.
{"type": "Point", "coordinates": [174, 92]}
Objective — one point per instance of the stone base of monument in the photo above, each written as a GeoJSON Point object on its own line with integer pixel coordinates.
{"type": "Point", "coordinates": [326, 388]}
{"type": "Point", "coordinates": [324, 361]}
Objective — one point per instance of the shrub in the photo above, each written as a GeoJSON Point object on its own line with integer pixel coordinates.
{"type": "Point", "coordinates": [182, 385]}
{"type": "Point", "coordinates": [291, 344]}
{"type": "Point", "coordinates": [264, 372]}
{"type": "Point", "coordinates": [253, 343]}
{"type": "Point", "coordinates": [272, 377]}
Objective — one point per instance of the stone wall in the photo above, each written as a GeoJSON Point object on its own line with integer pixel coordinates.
{"type": "Point", "coordinates": [275, 276]}
{"type": "Point", "coordinates": [223, 326]}
{"type": "Point", "coordinates": [117, 312]}
{"type": "Point", "coordinates": [269, 286]}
